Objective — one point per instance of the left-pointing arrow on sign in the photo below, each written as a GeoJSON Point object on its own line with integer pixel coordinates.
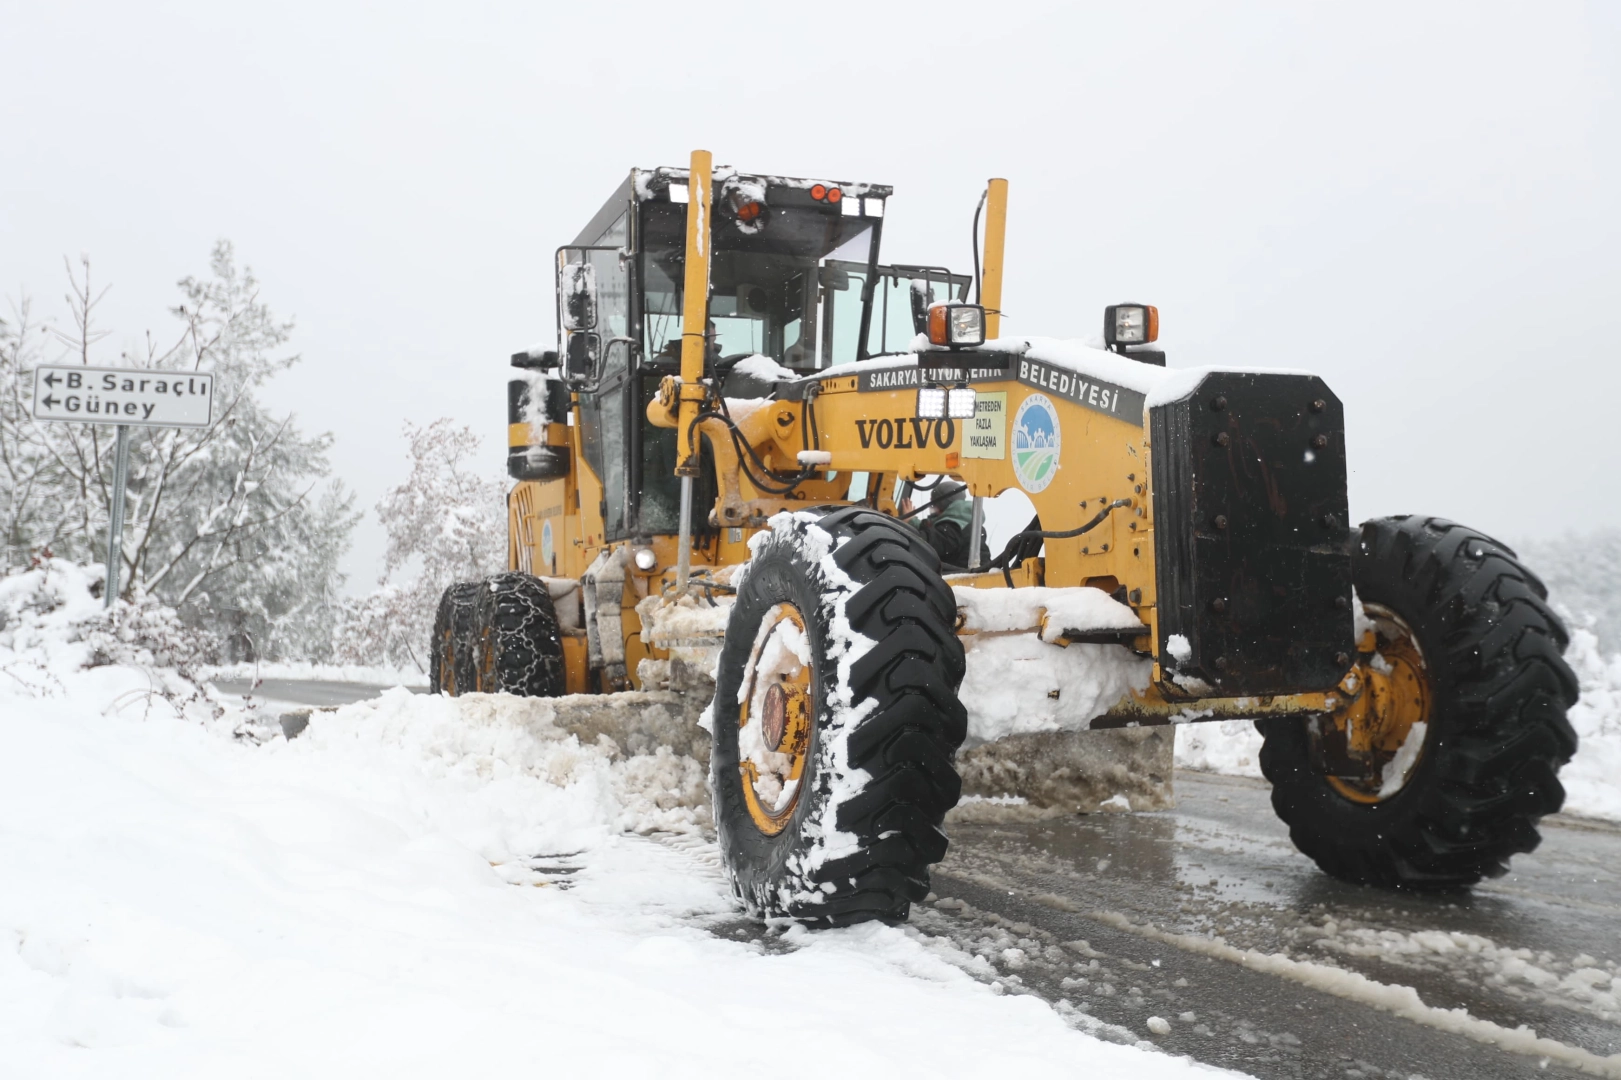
{"type": "Point", "coordinates": [48, 401]}
{"type": "Point", "coordinates": [52, 379]}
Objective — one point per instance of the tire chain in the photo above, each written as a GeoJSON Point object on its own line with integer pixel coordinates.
{"type": "Point", "coordinates": [518, 646]}
{"type": "Point", "coordinates": [451, 662]}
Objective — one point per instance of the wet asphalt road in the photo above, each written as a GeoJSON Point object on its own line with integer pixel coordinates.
{"type": "Point", "coordinates": [314, 692]}
{"type": "Point", "coordinates": [1113, 915]}
{"type": "Point", "coordinates": [1117, 918]}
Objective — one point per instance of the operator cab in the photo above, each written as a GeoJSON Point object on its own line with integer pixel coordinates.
{"type": "Point", "coordinates": [794, 276]}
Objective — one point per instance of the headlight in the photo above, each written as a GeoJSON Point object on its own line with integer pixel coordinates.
{"type": "Point", "coordinates": [931, 402]}
{"type": "Point", "coordinates": [1130, 324]}
{"type": "Point", "coordinates": [967, 325]}
{"type": "Point", "coordinates": [960, 403]}
{"type": "Point", "coordinates": [646, 560]}
{"type": "Point", "coordinates": [956, 325]}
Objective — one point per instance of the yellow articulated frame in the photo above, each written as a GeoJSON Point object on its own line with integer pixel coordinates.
{"type": "Point", "coordinates": [1150, 708]}
{"type": "Point", "coordinates": [1101, 461]}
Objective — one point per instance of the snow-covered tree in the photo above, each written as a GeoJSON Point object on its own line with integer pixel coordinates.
{"type": "Point", "coordinates": [236, 525]}
{"type": "Point", "coordinates": [445, 523]}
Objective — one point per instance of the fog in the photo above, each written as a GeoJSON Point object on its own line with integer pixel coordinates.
{"type": "Point", "coordinates": [1416, 201]}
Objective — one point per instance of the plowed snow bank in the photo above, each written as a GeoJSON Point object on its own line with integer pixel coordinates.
{"type": "Point", "coordinates": [181, 900]}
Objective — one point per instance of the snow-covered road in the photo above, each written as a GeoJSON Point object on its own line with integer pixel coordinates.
{"type": "Point", "coordinates": [1247, 955]}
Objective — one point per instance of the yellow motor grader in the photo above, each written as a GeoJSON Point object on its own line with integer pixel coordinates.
{"type": "Point", "coordinates": [747, 401]}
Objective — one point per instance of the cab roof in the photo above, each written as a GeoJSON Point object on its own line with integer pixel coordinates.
{"type": "Point", "coordinates": [653, 185]}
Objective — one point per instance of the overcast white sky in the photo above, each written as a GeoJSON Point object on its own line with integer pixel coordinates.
{"type": "Point", "coordinates": [1418, 201]}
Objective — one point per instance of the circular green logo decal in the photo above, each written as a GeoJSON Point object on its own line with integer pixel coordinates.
{"type": "Point", "coordinates": [1036, 441]}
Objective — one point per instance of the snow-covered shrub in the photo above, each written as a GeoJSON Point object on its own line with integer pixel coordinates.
{"type": "Point", "coordinates": [234, 525]}
{"type": "Point", "coordinates": [445, 523]}
{"type": "Point", "coordinates": [53, 628]}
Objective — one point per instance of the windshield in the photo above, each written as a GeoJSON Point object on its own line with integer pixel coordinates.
{"type": "Point", "coordinates": [892, 329]}
{"type": "Point", "coordinates": [791, 289]}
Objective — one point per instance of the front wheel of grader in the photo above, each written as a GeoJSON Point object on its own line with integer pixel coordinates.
{"type": "Point", "coordinates": [1444, 752]}
{"type": "Point", "coordinates": [835, 720]}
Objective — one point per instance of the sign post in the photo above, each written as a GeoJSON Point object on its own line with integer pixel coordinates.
{"type": "Point", "coordinates": [115, 519]}
{"type": "Point", "coordinates": [125, 397]}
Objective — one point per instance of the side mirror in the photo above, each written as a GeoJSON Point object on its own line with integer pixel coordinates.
{"type": "Point", "coordinates": [921, 302]}
{"type": "Point", "coordinates": [835, 277]}
{"type": "Point", "coordinates": [577, 282]}
{"type": "Point", "coordinates": [584, 351]}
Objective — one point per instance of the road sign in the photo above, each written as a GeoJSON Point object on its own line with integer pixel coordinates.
{"type": "Point", "coordinates": [142, 397]}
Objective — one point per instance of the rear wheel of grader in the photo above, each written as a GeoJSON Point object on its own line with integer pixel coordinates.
{"type": "Point", "coordinates": [836, 719]}
{"type": "Point", "coordinates": [450, 654]}
{"type": "Point", "coordinates": [517, 646]}
{"type": "Point", "coordinates": [1444, 752]}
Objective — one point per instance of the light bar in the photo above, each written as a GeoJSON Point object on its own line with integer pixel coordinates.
{"type": "Point", "coordinates": [931, 403]}
{"type": "Point", "coordinates": [960, 403]}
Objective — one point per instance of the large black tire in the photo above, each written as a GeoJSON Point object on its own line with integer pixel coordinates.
{"type": "Point", "coordinates": [885, 722]}
{"type": "Point", "coordinates": [451, 663]}
{"type": "Point", "coordinates": [518, 647]}
{"type": "Point", "coordinates": [1496, 734]}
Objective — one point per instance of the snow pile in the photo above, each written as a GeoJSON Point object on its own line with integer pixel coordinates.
{"type": "Point", "coordinates": [415, 887]}
{"type": "Point", "coordinates": [1018, 684]}
{"type": "Point", "coordinates": [1232, 747]}
{"type": "Point", "coordinates": [686, 620]}
{"type": "Point", "coordinates": [762, 367]}
{"type": "Point", "coordinates": [741, 408]}
{"type": "Point", "coordinates": [1593, 778]}
{"type": "Point", "coordinates": [501, 778]}
{"type": "Point", "coordinates": [1052, 611]}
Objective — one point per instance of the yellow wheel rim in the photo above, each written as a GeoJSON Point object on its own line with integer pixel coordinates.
{"type": "Point", "coordinates": [1372, 744]}
{"type": "Point", "coordinates": [774, 719]}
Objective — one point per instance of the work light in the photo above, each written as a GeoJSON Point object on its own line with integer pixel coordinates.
{"type": "Point", "coordinates": [931, 402]}
{"type": "Point", "coordinates": [956, 326]}
{"type": "Point", "coordinates": [960, 402]}
{"type": "Point", "coordinates": [1130, 324]}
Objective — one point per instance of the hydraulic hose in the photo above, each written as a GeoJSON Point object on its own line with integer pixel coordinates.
{"type": "Point", "coordinates": [1016, 543]}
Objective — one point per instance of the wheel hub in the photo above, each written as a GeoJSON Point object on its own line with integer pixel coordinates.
{"type": "Point", "coordinates": [774, 721]}
{"type": "Point", "coordinates": [1369, 747]}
